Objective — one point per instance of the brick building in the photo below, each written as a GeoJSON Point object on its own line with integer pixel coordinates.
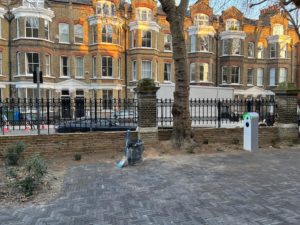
{"type": "Point", "coordinates": [102, 48]}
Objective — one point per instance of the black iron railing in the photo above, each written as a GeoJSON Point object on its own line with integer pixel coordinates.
{"type": "Point", "coordinates": [218, 113]}
{"type": "Point", "coordinates": [18, 115]}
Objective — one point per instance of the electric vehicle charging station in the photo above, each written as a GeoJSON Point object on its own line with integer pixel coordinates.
{"type": "Point", "coordinates": [251, 131]}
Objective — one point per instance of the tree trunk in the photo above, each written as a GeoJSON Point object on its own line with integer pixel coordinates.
{"type": "Point", "coordinates": [181, 118]}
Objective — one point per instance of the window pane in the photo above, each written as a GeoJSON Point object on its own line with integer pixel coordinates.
{"type": "Point", "coordinates": [260, 77]}
{"type": "Point", "coordinates": [78, 30]}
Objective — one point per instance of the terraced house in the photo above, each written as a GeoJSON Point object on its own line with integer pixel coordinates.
{"type": "Point", "coordinates": [90, 48]}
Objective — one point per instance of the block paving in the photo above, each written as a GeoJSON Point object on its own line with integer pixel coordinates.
{"type": "Point", "coordinates": [217, 189]}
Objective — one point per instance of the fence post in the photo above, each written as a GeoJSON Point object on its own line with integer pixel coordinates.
{"type": "Point", "coordinates": [147, 121]}
{"type": "Point", "coordinates": [287, 114]}
{"type": "Point", "coordinates": [219, 113]}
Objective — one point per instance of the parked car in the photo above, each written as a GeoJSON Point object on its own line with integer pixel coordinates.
{"type": "Point", "coordinates": [125, 116]}
{"type": "Point", "coordinates": [86, 125]}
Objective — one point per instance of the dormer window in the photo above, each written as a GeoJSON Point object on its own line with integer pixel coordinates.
{"type": "Point", "coordinates": [201, 20]}
{"type": "Point", "coordinates": [278, 29]}
{"type": "Point", "coordinates": [34, 3]}
{"type": "Point", "coordinates": [105, 8]}
{"type": "Point", "coordinates": [232, 24]}
{"type": "Point", "coordinates": [143, 14]}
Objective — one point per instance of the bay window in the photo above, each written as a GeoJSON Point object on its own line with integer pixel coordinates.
{"type": "Point", "coordinates": [32, 27]}
{"type": "Point", "coordinates": [231, 75]}
{"type": "Point", "coordinates": [146, 69]}
{"type": "Point", "coordinates": [107, 66]}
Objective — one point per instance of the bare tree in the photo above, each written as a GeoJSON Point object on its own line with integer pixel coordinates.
{"type": "Point", "coordinates": [182, 132]}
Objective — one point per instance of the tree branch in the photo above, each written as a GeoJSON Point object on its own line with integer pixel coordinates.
{"type": "Point", "coordinates": [182, 8]}
{"type": "Point", "coordinates": [258, 3]}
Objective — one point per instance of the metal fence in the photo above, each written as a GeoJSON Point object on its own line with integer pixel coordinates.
{"type": "Point", "coordinates": [81, 114]}
{"type": "Point", "coordinates": [17, 115]}
{"type": "Point", "coordinates": [219, 113]}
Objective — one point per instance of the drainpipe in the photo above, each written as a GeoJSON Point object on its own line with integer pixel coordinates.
{"type": "Point", "coordinates": [9, 17]}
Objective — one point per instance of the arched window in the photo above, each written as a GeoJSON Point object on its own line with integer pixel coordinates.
{"type": "Point", "coordinates": [232, 24]}
{"type": "Point", "coordinates": [107, 33]}
{"type": "Point", "coordinates": [201, 20]}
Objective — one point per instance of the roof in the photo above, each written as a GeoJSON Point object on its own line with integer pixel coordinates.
{"type": "Point", "coordinates": [83, 2]}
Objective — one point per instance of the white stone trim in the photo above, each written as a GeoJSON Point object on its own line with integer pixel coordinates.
{"type": "Point", "coordinates": [23, 11]}
{"type": "Point", "coordinates": [2, 12]}
{"type": "Point", "coordinates": [201, 30]}
{"type": "Point", "coordinates": [93, 20]}
{"type": "Point", "coordinates": [279, 39]}
{"type": "Point", "coordinates": [147, 129]}
{"type": "Point", "coordinates": [144, 25]}
{"type": "Point", "coordinates": [233, 35]}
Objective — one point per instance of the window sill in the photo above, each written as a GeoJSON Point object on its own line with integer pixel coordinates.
{"type": "Point", "coordinates": [232, 55]}
{"type": "Point", "coordinates": [138, 48]}
{"type": "Point", "coordinates": [250, 85]}
{"type": "Point", "coordinates": [3, 39]}
{"type": "Point", "coordinates": [32, 38]}
{"type": "Point", "coordinates": [79, 78]}
{"type": "Point", "coordinates": [232, 84]}
{"type": "Point", "coordinates": [23, 75]}
{"type": "Point", "coordinates": [65, 77]}
{"type": "Point", "coordinates": [64, 43]}
{"type": "Point", "coordinates": [167, 82]}
{"type": "Point", "coordinates": [107, 78]}
{"type": "Point", "coordinates": [169, 51]}
{"type": "Point", "coordinates": [47, 76]}
{"type": "Point", "coordinates": [200, 52]}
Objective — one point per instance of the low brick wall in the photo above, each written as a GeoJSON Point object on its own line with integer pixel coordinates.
{"type": "Point", "coordinates": [229, 136]}
{"type": "Point", "coordinates": [65, 144]}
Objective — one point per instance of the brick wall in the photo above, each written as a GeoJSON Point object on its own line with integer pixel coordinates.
{"type": "Point", "coordinates": [63, 144]}
{"type": "Point", "coordinates": [228, 136]}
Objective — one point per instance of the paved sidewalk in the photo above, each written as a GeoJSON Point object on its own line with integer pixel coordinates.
{"type": "Point", "coordinates": [218, 189]}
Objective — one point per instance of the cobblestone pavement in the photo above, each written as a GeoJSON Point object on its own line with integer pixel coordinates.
{"type": "Point", "coordinates": [240, 188]}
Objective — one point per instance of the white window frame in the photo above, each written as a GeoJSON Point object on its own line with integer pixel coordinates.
{"type": "Point", "coordinates": [34, 27]}
{"type": "Point", "coordinates": [119, 68]}
{"type": "Point", "coordinates": [260, 50]}
{"type": "Point", "coordinates": [47, 29]}
{"type": "Point", "coordinates": [64, 37]}
{"type": "Point", "coordinates": [107, 36]}
{"type": "Point", "coordinates": [168, 43]}
{"type": "Point", "coordinates": [232, 24]}
{"type": "Point", "coordinates": [64, 66]}
{"type": "Point", "coordinates": [193, 42]}
{"type": "Point", "coordinates": [250, 76]}
{"type": "Point", "coordinates": [231, 74]}
{"type": "Point", "coordinates": [193, 72]}
{"type": "Point", "coordinates": [18, 62]}
{"type": "Point", "coordinates": [205, 72]}
{"type": "Point", "coordinates": [260, 77]}
{"type": "Point", "coordinates": [1, 63]}
{"type": "Point", "coordinates": [33, 3]}
{"type": "Point", "coordinates": [94, 29]}
{"type": "Point", "coordinates": [277, 29]}
{"type": "Point", "coordinates": [94, 67]}
{"type": "Point", "coordinates": [107, 75]}
{"type": "Point", "coordinates": [201, 19]}
{"type": "Point", "coordinates": [147, 38]}
{"type": "Point", "coordinates": [202, 41]}
{"type": "Point", "coordinates": [33, 63]}
{"type": "Point", "coordinates": [78, 33]}
{"type": "Point", "coordinates": [146, 73]}
{"type": "Point", "coordinates": [283, 73]}
{"type": "Point", "coordinates": [47, 65]}
{"type": "Point", "coordinates": [134, 70]}
{"type": "Point", "coordinates": [143, 14]}
{"type": "Point", "coordinates": [168, 72]}
{"type": "Point", "coordinates": [273, 50]}
{"type": "Point", "coordinates": [272, 77]}
{"type": "Point", "coordinates": [79, 66]}
{"type": "Point", "coordinates": [251, 52]}
{"type": "Point", "coordinates": [283, 50]}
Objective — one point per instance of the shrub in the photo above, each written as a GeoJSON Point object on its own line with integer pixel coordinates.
{"type": "Point", "coordinates": [27, 185]}
{"type": "Point", "coordinates": [12, 172]}
{"type": "Point", "coordinates": [36, 167]}
{"type": "Point", "coordinates": [205, 141]}
{"type": "Point", "coordinates": [77, 157]}
{"type": "Point", "coordinates": [145, 84]}
{"type": "Point", "coordinates": [13, 153]}
{"type": "Point", "coordinates": [34, 170]}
